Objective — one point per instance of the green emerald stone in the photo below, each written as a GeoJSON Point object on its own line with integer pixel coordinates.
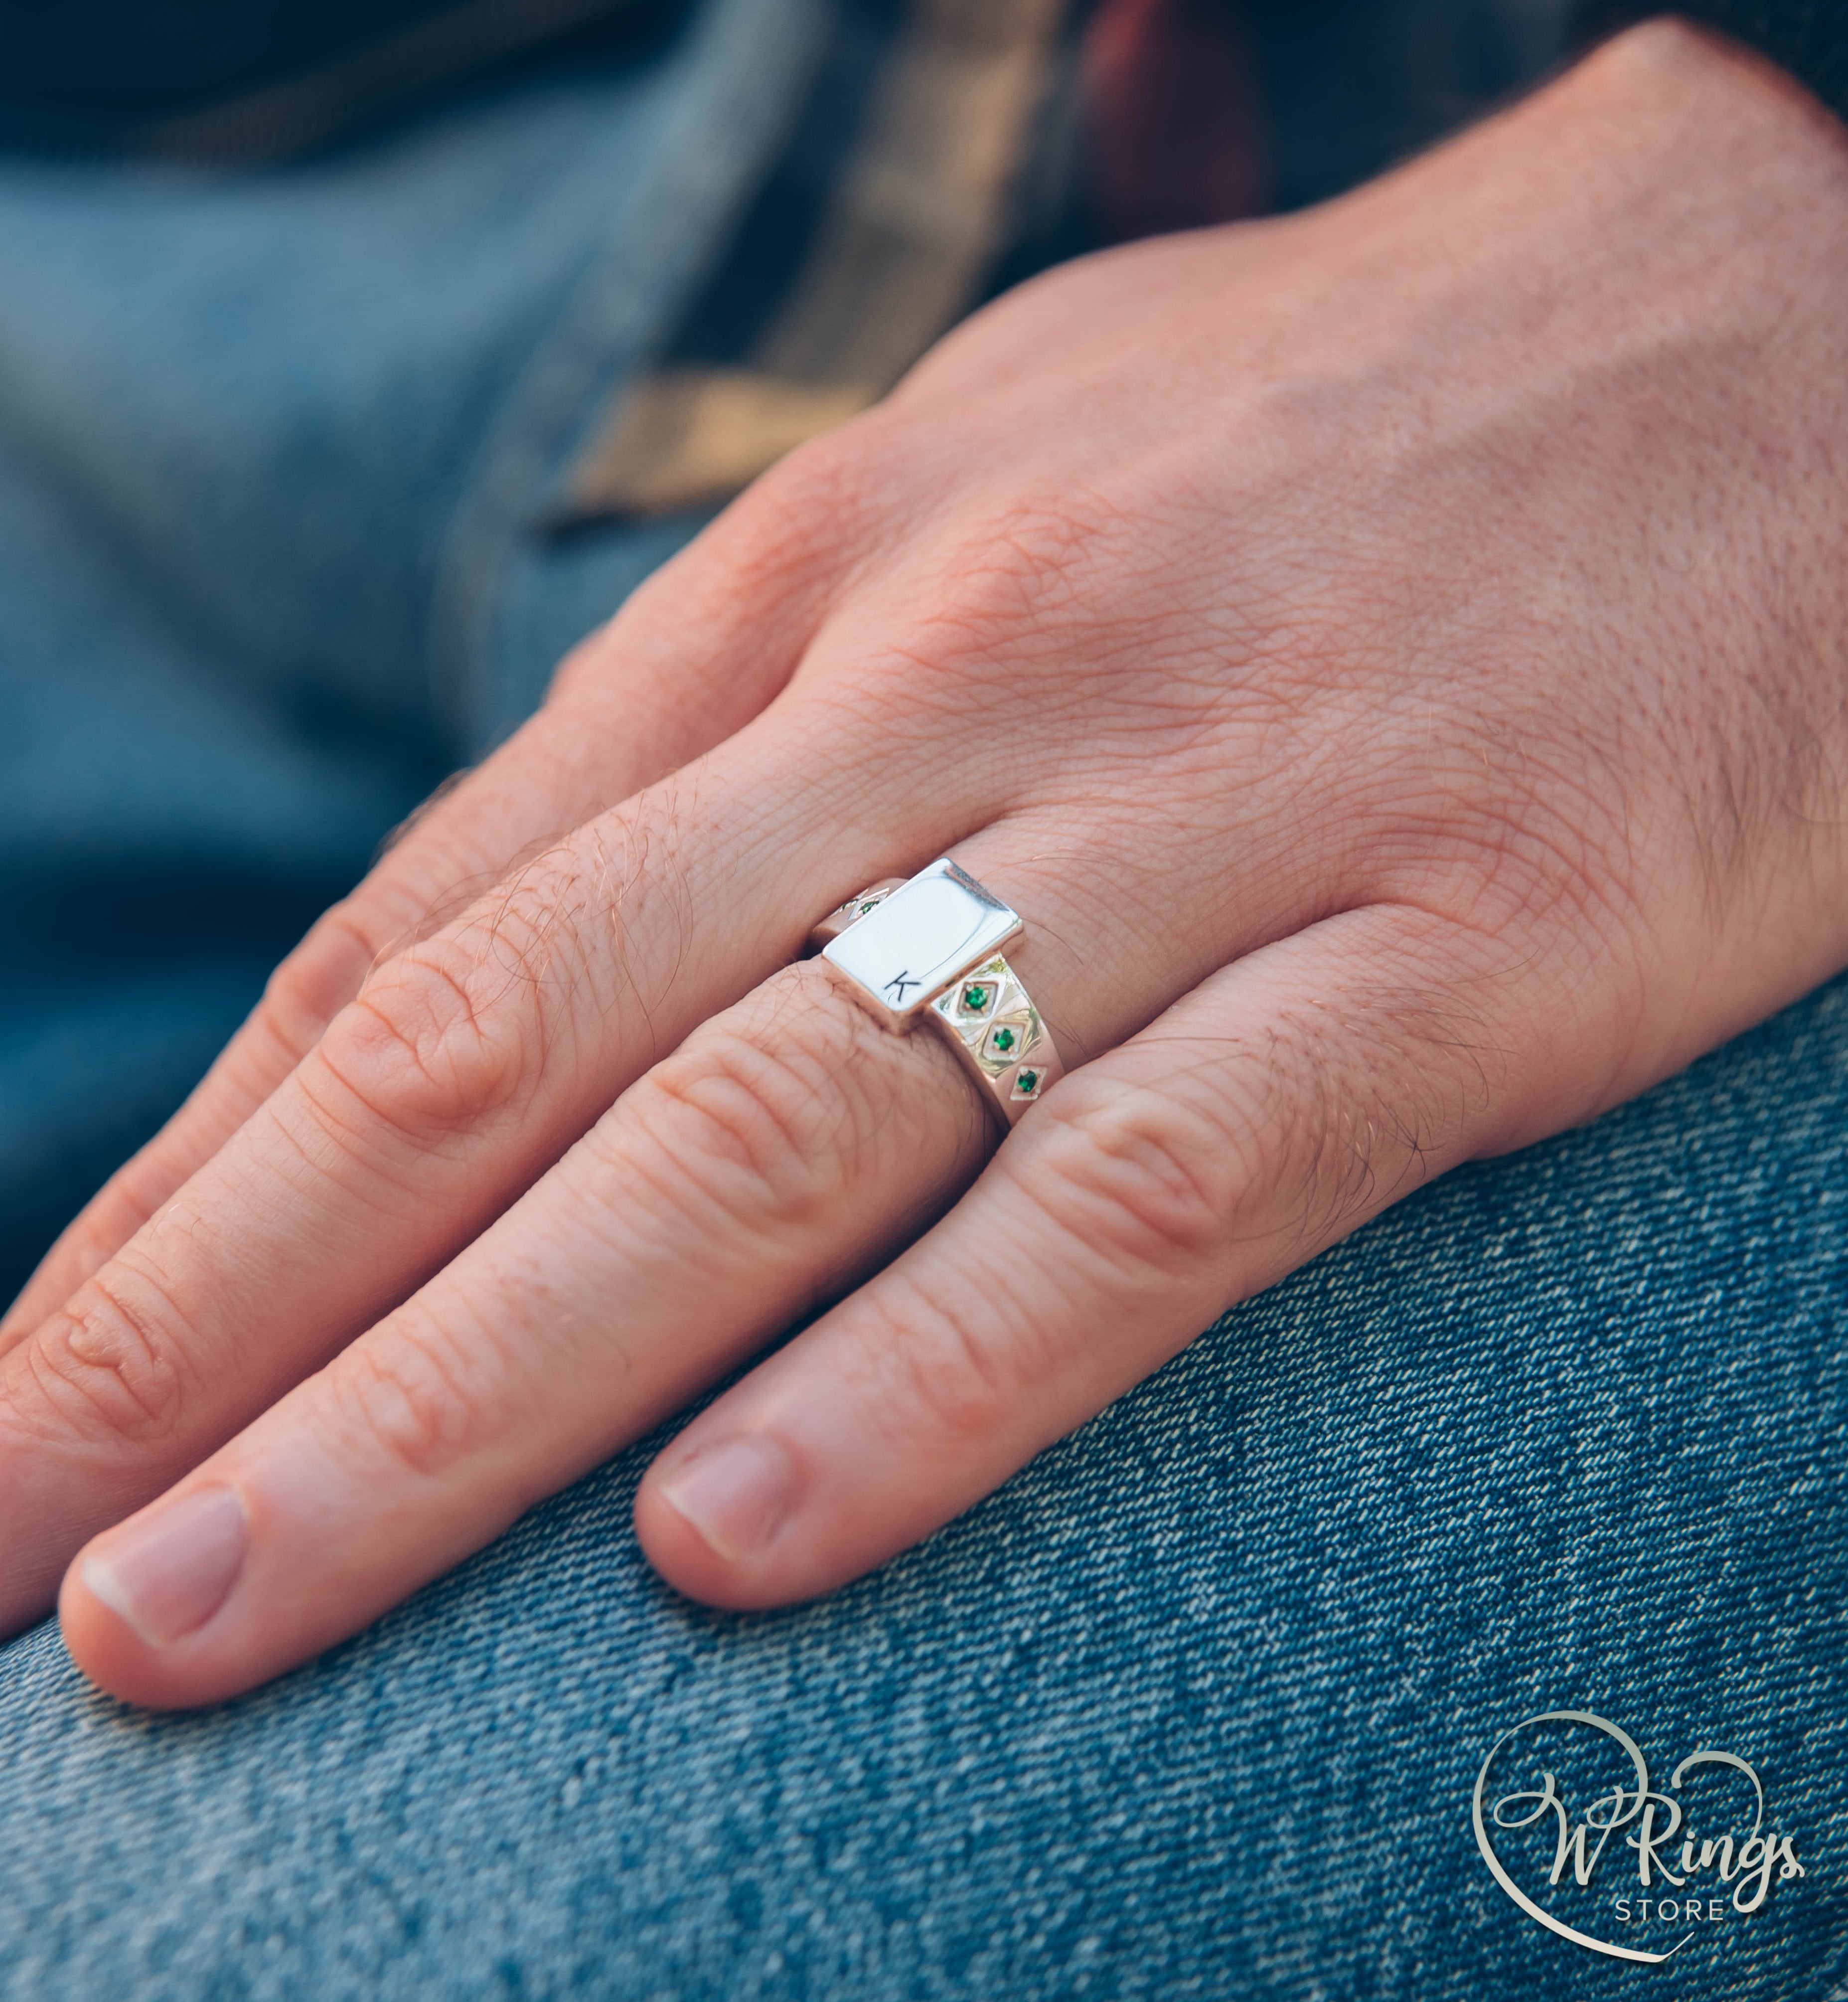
{"type": "Point", "coordinates": [1005, 1040]}
{"type": "Point", "coordinates": [1027, 1084]}
{"type": "Point", "coordinates": [975, 1000]}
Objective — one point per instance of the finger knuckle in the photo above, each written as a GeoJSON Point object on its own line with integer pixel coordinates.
{"type": "Point", "coordinates": [1511, 829]}
{"type": "Point", "coordinates": [766, 1110]}
{"type": "Point", "coordinates": [830, 477]}
{"type": "Point", "coordinates": [1012, 579]}
{"type": "Point", "coordinates": [316, 980]}
{"type": "Point", "coordinates": [955, 1367]}
{"type": "Point", "coordinates": [415, 1399]}
{"type": "Point", "coordinates": [800, 513]}
{"type": "Point", "coordinates": [452, 1033]}
{"type": "Point", "coordinates": [109, 1369]}
{"type": "Point", "coordinates": [1136, 1177]}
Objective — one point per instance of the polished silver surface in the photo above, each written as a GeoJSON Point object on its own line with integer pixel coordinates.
{"type": "Point", "coordinates": [929, 949]}
{"type": "Point", "coordinates": [929, 932]}
{"type": "Point", "coordinates": [850, 913]}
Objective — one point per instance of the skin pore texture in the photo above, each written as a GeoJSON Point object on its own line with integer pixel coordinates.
{"type": "Point", "coordinates": [1392, 656]}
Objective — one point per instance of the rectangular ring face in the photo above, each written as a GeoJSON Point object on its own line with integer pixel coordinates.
{"type": "Point", "coordinates": [905, 951]}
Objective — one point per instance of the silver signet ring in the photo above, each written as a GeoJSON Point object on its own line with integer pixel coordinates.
{"type": "Point", "coordinates": [930, 949]}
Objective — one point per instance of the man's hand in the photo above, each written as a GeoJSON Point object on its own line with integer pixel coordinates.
{"type": "Point", "coordinates": [1393, 659]}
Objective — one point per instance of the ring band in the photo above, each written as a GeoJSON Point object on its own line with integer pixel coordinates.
{"type": "Point", "coordinates": [929, 947]}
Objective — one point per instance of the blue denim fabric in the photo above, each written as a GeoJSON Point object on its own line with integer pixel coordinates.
{"type": "Point", "coordinates": [1195, 1705]}
{"type": "Point", "coordinates": [275, 453]}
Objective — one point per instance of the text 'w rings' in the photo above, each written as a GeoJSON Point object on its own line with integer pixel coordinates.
{"type": "Point", "coordinates": [930, 949]}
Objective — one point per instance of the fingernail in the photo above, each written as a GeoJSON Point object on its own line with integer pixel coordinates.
{"type": "Point", "coordinates": [735, 1493]}
{"type": "Point", "coordinates": [168, 1574]}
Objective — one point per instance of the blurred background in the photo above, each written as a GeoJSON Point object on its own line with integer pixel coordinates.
{"type": "Point", "coordinates": [356, 359]}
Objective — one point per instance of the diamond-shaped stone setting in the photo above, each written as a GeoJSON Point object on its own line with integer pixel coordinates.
{"type": "Point", "coordinates": [1006, 1042]}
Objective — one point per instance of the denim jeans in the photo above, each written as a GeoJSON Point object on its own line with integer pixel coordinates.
{"type": "Point", "coordinates": [1199, 1702]}
{"type": "Point", "coordinates": [277, 451]}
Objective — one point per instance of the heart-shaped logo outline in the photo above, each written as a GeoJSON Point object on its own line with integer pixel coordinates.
{"type": "Point", "coordinates": [1775, 1852]}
